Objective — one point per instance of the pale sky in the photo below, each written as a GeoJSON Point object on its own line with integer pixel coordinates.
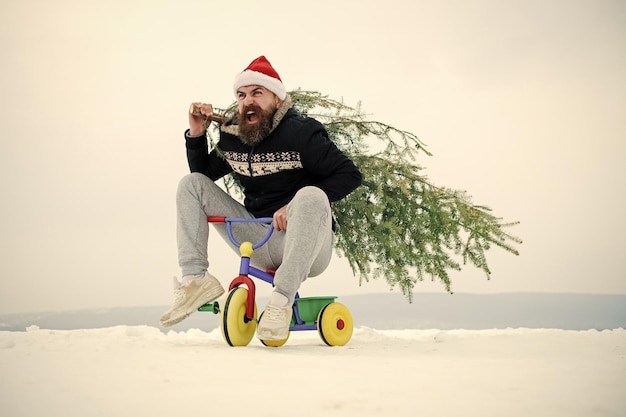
{"type": "Point", "coordinates": [522, 103]}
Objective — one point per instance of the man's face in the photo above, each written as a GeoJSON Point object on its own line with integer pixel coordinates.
{"type": "Point", "coordinates": [257, 106]}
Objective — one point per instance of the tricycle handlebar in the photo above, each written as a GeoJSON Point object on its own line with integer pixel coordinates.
{"type": "Point", "coordinates": [230, 220]}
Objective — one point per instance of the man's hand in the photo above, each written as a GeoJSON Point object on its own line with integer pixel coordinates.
{"type": "Point", "coordinates": [197, 116]}
{"type": "Point", "coordinates": [280, 219]}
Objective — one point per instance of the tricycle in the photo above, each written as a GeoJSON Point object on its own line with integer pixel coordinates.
{"type": "Point", "coordinates": [238, 316]}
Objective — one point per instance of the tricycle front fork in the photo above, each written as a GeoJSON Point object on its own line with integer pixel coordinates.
{"type": "Point", "coordinates": [267, 276]}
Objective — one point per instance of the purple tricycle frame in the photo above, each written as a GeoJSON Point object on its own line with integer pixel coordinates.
{"type": "Point", "coordinates": [246, 270]}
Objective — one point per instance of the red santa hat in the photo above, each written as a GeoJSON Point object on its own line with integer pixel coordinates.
{"type": "Point", "coordinates": [260, 72]}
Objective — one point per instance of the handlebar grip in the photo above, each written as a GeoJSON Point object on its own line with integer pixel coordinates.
{"type": "Point", "coordinates": [217, 219]}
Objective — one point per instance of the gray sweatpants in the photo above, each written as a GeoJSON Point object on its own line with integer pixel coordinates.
{"type": "Point", "coordinates": [304, 249]}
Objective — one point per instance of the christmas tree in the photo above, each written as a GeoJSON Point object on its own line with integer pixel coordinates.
{"type": "Point", "coordinates": [398, 226]}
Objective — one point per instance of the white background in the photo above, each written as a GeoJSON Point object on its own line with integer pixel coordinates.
{"type": "Point", "coordinates": [521, 103]}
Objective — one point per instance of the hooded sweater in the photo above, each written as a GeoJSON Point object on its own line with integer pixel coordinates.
{"type": "Point", "coordinates": [296, 153]}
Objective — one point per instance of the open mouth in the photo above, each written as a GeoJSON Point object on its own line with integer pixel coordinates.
{"type": "Point", "coordinates": [252, 117]}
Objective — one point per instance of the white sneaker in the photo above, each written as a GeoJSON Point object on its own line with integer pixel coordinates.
{"type": "Point", "coordinates": [276, 319]}
{"type": "Point", "coordinates": [191, 295]}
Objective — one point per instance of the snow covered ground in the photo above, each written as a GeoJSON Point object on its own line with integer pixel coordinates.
{"type": "Point", "coordinates": [144, 371]}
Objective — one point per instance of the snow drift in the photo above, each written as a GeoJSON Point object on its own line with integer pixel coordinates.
{"type": "Point", "coordinates": [142, 371]}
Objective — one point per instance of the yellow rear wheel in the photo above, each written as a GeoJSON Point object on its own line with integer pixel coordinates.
{"type": "Point", "coordinates": [236, 329]}
{"type": "Point", "coordinates": [335, 324]}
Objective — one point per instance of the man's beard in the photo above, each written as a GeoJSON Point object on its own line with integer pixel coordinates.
{"type": "Point", "coordinates": [253, 134]}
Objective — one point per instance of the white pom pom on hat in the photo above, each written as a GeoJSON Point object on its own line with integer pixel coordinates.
{"type": "Point", "coordinates": [260, 72]}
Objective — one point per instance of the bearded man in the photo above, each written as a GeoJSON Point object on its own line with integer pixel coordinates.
{"type": "Point", "coordinates": [289, 170]}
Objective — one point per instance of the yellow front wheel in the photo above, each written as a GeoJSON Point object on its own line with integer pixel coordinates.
{"type": "Point", "coordinates": [335, 324]}
{"type": "Point", "coordinates": [237, 330]}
